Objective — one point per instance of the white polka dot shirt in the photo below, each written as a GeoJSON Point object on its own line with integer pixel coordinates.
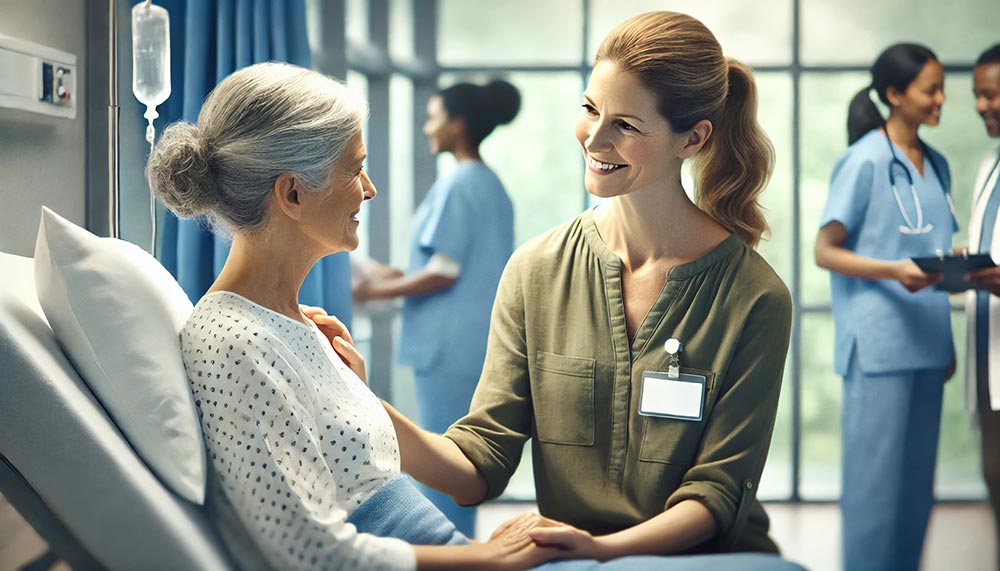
{"type": "Point", "coordinates": [296, 439]}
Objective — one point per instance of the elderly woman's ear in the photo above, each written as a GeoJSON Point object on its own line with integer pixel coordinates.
{"type": "Point", "coordinates": [288, 195]}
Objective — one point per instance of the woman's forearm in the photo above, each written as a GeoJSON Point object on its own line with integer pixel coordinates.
{"type": "Point", "coordinates": [832, 255]}
{"type": "Point", "coordinates": [457, 558]}
{"type": "Point", "coordinates": [843, 261]}
{"type": "Point", "coordinates": [436, 461]}
{"type": "Point", "coordinates": [678, 529]}
{"type": "Point", "coordinates": [416, 284]}
{"type": "Point", "coordinates": [510, 550]}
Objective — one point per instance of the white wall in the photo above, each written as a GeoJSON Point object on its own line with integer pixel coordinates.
{"type": "Point", "coordinates": [43, 160]}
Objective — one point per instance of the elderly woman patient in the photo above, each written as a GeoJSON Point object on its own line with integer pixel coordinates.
{"type": "Point", "coordinates": [297, 440]}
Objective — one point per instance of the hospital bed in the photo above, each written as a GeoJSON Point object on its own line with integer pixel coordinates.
{"type": "Point", "coordinates": [65, 466]}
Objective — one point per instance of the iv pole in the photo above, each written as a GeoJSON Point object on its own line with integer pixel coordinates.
{"type": "Point", "coordinates": [114, 227]}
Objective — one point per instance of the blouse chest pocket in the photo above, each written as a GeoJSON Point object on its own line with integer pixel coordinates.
{"type": "Point", "coordinates": [672, 440]}
{"type": "Point", "coordinates": [562, 393]}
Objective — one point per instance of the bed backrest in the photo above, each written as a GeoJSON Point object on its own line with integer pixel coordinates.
{"type": "Point", "coordinates": [65, 465]}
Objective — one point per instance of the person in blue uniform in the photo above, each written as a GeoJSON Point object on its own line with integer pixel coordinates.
{"type": "Point", "coordinates": [462, 237]}
{"type": "Point", "coordinates": [889, 201]}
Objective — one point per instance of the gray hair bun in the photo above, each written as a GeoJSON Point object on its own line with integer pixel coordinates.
{"type": "Point", "coordinates": [179, 172]}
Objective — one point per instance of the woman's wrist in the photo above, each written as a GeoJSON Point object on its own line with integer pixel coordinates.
{"type": "Point", "coordinates": [895, 270]}
{"type": "Point", "coordinates": [608, 547]}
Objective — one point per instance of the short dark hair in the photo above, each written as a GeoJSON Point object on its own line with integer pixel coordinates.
{"type": "Point", "coordinates": [991, 55]}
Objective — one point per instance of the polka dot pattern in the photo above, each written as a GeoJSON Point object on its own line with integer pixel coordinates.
{"type": "Point", "coordinates": [296, 440]}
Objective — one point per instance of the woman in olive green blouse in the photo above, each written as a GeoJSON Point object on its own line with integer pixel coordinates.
{"type": "Point", "coordinates": [583, 313]}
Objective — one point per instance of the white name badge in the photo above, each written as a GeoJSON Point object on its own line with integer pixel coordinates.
{"type": "Point", "coordinates": [681, 397]}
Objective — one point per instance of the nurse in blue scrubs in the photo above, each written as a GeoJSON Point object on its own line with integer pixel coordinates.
{"type": "Point", "coordinates": [889, 201]}
{"type": "Point", "coordinates": [462, 237]}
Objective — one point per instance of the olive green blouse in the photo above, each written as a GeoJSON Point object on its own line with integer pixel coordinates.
{"type": "Point", "coordinates": [560, 370]}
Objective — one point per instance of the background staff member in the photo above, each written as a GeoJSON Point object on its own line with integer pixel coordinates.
{"type": "Point", "coordinates": [462, 237]}
{"type": "Point", "coordinates": [889, 202]}
{"type": "Point", "coordinates": [982, 309]}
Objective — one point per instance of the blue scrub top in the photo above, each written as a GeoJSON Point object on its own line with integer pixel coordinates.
{"type": "Point", "coordinates": [468, 217]}
{"type": "Point", "coordinates": [889, 328]}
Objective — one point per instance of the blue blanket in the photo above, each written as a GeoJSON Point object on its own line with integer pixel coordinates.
{"type": "Point", "coordinates": [399, 510]}
{"type": "Point", "coordinates": [714, 562]}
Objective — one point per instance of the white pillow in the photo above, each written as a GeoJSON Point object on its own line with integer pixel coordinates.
{"type": "Point", "coordinates": [118, 314]}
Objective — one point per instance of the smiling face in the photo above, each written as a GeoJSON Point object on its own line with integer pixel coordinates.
{"type": "Point", "coordinates": [628, 146]}
{"type": "Point", "coordinates": [332, 217]}
{"type": "Point", "coordinates": [986, 88]}
{"type": "Point", "coordinates": [921, 103]}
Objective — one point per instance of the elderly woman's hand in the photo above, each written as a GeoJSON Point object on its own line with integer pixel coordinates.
{"type": "Point", "coordinates": [514, 547]}
{"type": "Point", "coordinates": [571, 542]}
{"type": "Point", "coordinates": [340, 339]}
{"type": "Point", "coordinates": [517, 528]}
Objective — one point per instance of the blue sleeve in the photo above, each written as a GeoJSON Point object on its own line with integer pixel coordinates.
{"type": "Point", "coordinates": [850, 193]}
{"type": "Point", "coordinates": [451, 224]}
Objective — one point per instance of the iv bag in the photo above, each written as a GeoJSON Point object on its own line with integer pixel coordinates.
{"type": "Point", "coordinates": [150, 59]}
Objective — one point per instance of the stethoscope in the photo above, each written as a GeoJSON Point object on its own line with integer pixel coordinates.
{"type": "Point", "coordinates": [910, 228]}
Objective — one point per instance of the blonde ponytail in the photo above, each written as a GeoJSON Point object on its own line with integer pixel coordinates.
{"type": "Point", "coordinates": [735, 165]}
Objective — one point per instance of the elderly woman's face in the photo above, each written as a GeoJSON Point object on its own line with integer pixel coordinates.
{"type": "Point", "coordinates": [334, 220]}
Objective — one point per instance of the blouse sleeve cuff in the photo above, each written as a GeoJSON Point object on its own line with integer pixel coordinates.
{"type": "Point", "coordinates": [713, 496]}
{"type": "Point", "coordinates": [481, 457]}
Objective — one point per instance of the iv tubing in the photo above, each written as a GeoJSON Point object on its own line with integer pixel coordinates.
{"type": "Point", "coordinates": [113, 115]}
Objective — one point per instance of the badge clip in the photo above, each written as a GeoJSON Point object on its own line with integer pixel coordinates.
{"type": "Point", "coordinates": [673, 347]}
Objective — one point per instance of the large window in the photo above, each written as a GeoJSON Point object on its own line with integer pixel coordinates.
{"type": "Point", "coordinates": [810, 57]}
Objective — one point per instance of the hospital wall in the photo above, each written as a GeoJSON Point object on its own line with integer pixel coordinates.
{"type": "Point", "coordinates": [43, 160]}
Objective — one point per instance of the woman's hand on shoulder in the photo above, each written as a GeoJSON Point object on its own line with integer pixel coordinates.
{"type": "Point", "coordinates": [340, 339]}
{"type": "Point", "coordinates": [912, 277]}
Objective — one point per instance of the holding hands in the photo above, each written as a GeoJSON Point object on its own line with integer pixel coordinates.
{"type": "Point", "coordinates": [514, 546]}
{"type": "Point", "coordinates": [560, 540]}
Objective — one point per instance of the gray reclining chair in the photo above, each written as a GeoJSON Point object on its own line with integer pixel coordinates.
{"type": "Point", "coordinates": [65, 466]}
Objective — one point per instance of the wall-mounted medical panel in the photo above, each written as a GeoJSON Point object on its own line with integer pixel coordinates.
{"type": "Point", "coordinates": [36, 78]}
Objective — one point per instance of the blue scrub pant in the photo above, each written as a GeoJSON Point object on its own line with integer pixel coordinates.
{"type": "Point", "coordinates": [442, 398]}
{"type": "Point", "coordinates": [890, 430]}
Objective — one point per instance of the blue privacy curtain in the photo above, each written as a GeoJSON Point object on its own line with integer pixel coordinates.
{"type": "Point", "coordinates": [209, 40]}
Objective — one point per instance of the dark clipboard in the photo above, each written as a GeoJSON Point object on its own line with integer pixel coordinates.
{"type": "Point", "coordinates": [953, 268]}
